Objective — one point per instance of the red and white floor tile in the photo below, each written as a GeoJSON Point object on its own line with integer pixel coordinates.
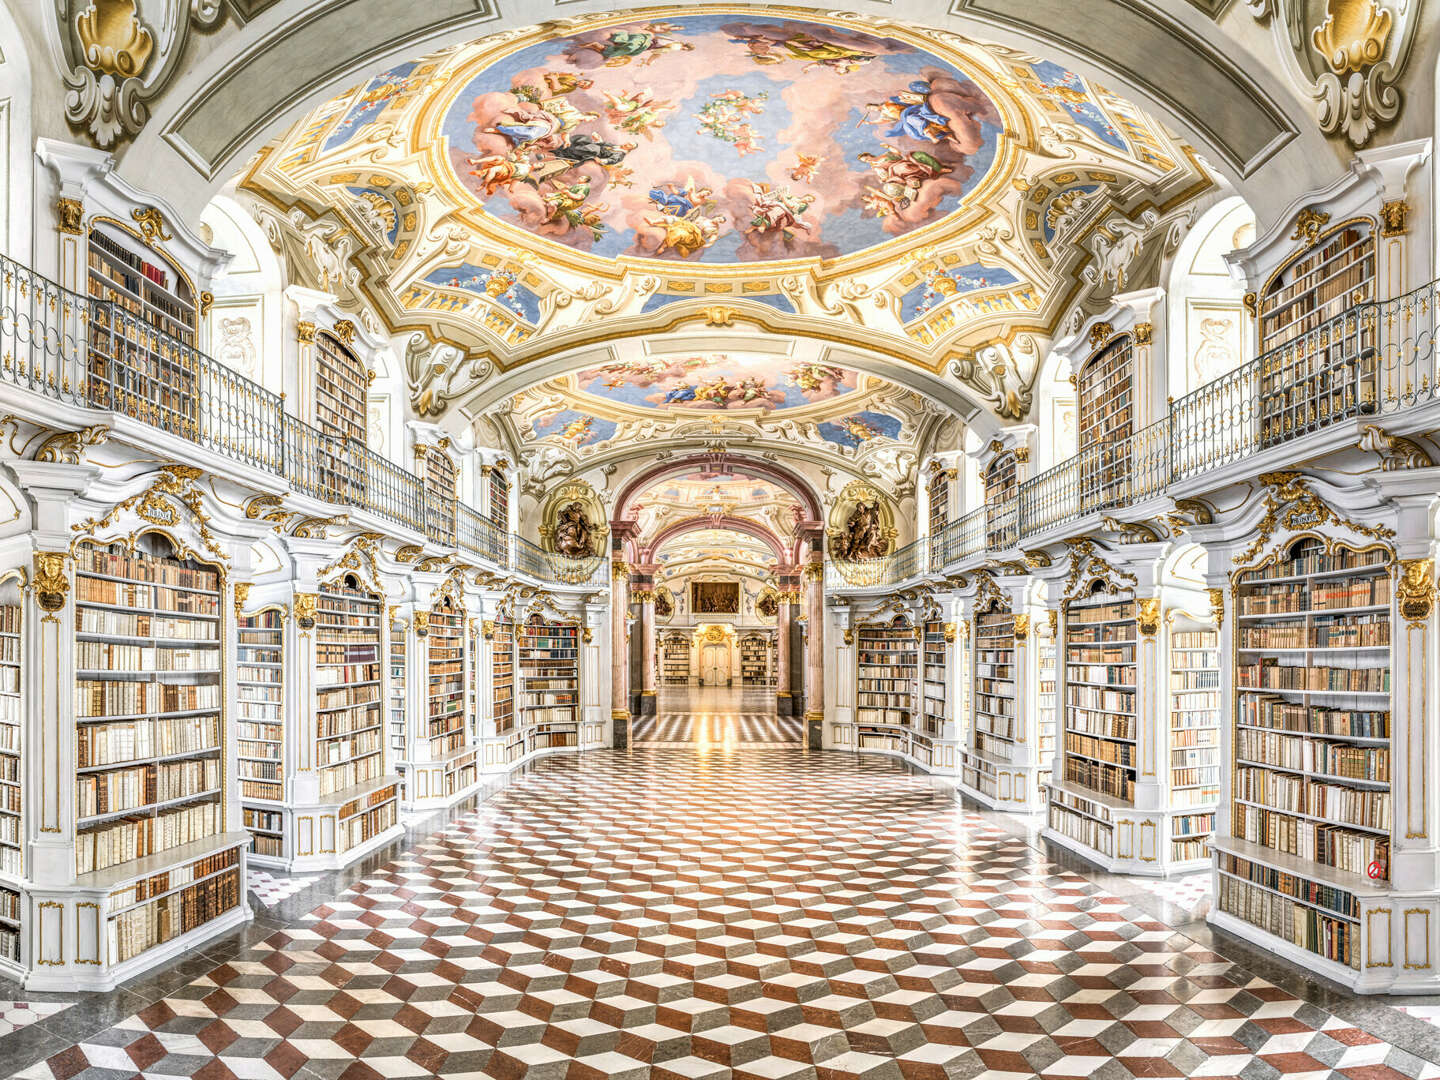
{"type": "Point", "coordinates": [727, 912]}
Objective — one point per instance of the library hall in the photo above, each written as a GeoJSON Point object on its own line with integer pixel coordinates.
{"type": "Point", "coordinates": [495, 586]}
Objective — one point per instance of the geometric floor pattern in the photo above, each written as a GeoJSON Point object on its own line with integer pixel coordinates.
{"type": "Point", "coordinates": [15, 1015]}
{"type": "Point", "coordinates": [270, 890]}
{"type": "Point", "coordinates": [720, 716]}
{"type": "Point", "coordinates": [1194, 894]}
{"type": "Point", "coordinates": [728, 912]}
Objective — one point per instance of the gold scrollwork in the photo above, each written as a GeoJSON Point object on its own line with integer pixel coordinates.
{"type": "Point", "coordinates": [1394, 218]}
{"type": "Point", "coordinates": [1147, 616]}
{"type": "Point", "coordinates": [408, 553]}
{"type": "Point", "coordinates": [70, 216]}
{"type": "Point", "coordinates": [1217, 606]}
{"type": "Point", "coordinates": [1291, 505]}
{"type": "Point", "coordinates": [1308, 225]}
{"type": "Point", "coordinates": [268, 508]}
{"type": "Point", "coordinates": [157, 504]}
{"type": "Point", "coordinates": [1022, 628]}
{"type": "Point", "coordinates": [305, 332]}
{"type": "Point", "coordinates": [422, 623]}
{"type": "Point", "coordinates": [306, 606]}
{"type": "Point", "coordinates": [345, 331]}
{"type": "Point", "coordinates": [1415, 591]}
{"type": "Point", "coordinates": [242, 594]}
{"type": "Point", "coordinates": [51, 585]}
{"type": "Point", "coordinates": [68, 447]}
{"type": "Point", "coordinates": [487, 629]}
{"type": "Point", "coordinates": [1144, 333]}
{"type": "Point", "coordinates": [151, 223]}
{"type": "Point", "coordinates": [950, 632]}
{"type": "Point", "coordinates": [1100, 333]}
{"type": "Point", "coordinates": [587, 635]}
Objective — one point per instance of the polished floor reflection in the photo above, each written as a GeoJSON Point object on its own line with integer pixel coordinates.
{"type": "Point", "coordinates": [722, 910]}
{"type": "Point", "coordinates": [723, 716]}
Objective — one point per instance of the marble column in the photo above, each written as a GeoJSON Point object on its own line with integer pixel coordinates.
{"type": "Point", "coordinates": [619, 654]}
{"type": "Point", "coordinates": [784, 703]}
{"type": "Point", "coordinates": [815, 652]}
{"type": "Point", "coordinates": [646, 599]}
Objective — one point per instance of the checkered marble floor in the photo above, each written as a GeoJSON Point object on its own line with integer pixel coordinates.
{"type": "Point", "coordinates": [721, 715]}
{"type": "Point", "coordinates": [1194, 894]}
{"type": "Point", "coordinates": [15, 1015]}
{"type": "Point", "coordinates": [715, 912]}
{"type": "Point", "coordinates": [270, 889]}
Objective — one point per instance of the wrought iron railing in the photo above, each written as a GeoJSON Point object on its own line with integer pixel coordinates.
{"type": "Point", "coordinates": [1374, 359]}
{"type": "Point", "coordinates": [83, 351]}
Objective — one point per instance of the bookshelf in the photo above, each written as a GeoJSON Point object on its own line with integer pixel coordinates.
{"type": "Point", "coordinates": [886, 669]}
{"type": "Point", "coordinates": [1194, 739]}
{"type": "Point", "coordinates": [260, 729]}
{"type": "Point", "coordinates": [1046, 649]}
{"type": "Point", "coordinates": [1002, 478]}
{"type": "Point", "coordinates": [1100, 714]}
{"type": "Point", "coordinates": [342, 388]}
{"type": "Point", "coordinates": [399, 710]}
{"type": "Point", "coordinates": [939, 501]}
{"type": "Point", "coordinates": [1310, 809]}
{"type": "Point", "coordinates": [502, 682]}
{"type": "Point", "coordinates": [675, 660]}
{"type": "Point", "coordinates": [499, 499]}
{"type": "Point", "coordinates": [1106, 393]}
{"type": "Point", "coordinates": [150, 732]}
{"type": "Point", "coordinates": [549, 656]}
{"type": "Point", "coordinates": [12, 832]}
{"type": "Point", "coordinates": [754, 660]}
{"type": "Point", "coordinates": [141, 362]}
{"type": "Point", "coordinates": [935, 720]}
{"type": "Point", "coordinates": [1306, 382]}
{"type": "Point", "coordinates": [994, 698]}
{"type": "Point", "coordinates": [446, 727]}
{"type": "Point", "coordinates": [349, 725]}
{"type": "Point", "coordinates": [441, 477]}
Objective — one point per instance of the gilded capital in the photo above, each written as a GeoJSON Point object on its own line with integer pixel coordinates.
{"type": "Point", "coordinates": [51, 585]}
{"type": "Point", "coordinates": [70, 216]}
{"type": "Point", "coordinates": [1217, 606]}
{"type": "Point", "coordinates": [305, 332]}
{"type": "Point", "coordinates": [422, 623]}
{"type": "Point", "coordinates": [1415, 592]}
{"type": "Point", "coordinates": [1147, 616]}
{"type": "Point", "coordinates": [306, 605]}
{"type": "Point", "coordinates": [1022, 628]}
{"type": "Point", "coordinates": [242, 594]}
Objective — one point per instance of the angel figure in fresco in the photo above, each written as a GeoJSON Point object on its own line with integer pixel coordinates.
{"type": "Point", "coordinates": [528, 129]}
{"type": "Point", "coordinates": [766, 50]}
{"type": "Point", "coordinates": [776, 210]}
{"type": "Point", "coordinates": [670, 198]}
{"type": "Point", "coordinates": [752, 388]}
{"type": "Point", "coordinates": [902, 174]}
{"type": "Point", "coordinates": [724, 117]}
{"type": "Point", "coordinates": [910, 113]}
{"type": "Point", "coordinates": [576, 430]}
{"type": "Point", "coordinates": [569, 202]}
{"type": "Point", "coordinates": [496, 171]}
{"type": "Point", "coordinates": [715, 392]}
{"type": "Point", "coordinates": [686, 235]}
{"type": "Point", "coordinates": [805, 168]}
{"type": "Point", "coordinates": [858, 429]}
{"type": "Point", "coordinates": [647, 42]}
{"type": "Point", "coordinates": [559, 83]}
{"type": "Point", "coordinates": [812, 377]}
{"type": "Point", "coordinates": [636, 112]}
{"type": "Point", "coordinates": [680, 394]}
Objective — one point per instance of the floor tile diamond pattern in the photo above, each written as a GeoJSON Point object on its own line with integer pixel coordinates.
{"type": "Point", "coordinates": [15, 1015]}
{"type": "Point", "coordinates": [683, 914]}
{"type": "Point", "coordinates": [270, 889]}
{"type": "Point", "coordinates": [1194, 894]}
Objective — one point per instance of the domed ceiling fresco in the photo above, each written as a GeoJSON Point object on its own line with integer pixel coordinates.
{"type": "Point", "coordinates": [720, 138]}
{"type": "Point", "coordinates": [699, 181]}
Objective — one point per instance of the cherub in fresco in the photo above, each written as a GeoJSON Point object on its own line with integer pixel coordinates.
{"type": "Point", "coordinates": [528, 127]}
{"type": "Point", "coordinates": [648, 42]}
{"type": "Point", "coordinates": [558, 83]}
{"type": "Point", "coordinates": [715, 392]}
{"type": "Point", "coordinates": [806, 165]}
{"type": "Point", "coordinates": [576, 430]}
{"type": "Point", "coordinates": [776, 210]}
{"type": "Point", "coordinates": [496, 171]}
{"type": "Point", "coordinates": [752, 388]}
{"type": "Point", "coordinates": [723, 116]}
{"type": "Point", "coordinates": [902, 174]}
{"type": "Point", "coordinates": [912, 115]}
{"type": "Point", "coordinates": [636, 111]}
{"type": "Point", "coordinates": [816, 378]}
{"type": "Point", "coordinates": [766, 49]}
{"type": "Point", "coordinates": [569, 202]}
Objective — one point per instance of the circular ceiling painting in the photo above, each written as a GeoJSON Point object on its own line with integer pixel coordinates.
{"type": "Point", "coordinates": [721, 138]}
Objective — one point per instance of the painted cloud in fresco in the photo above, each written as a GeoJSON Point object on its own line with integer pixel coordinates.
{"type": "Point", "coordinates": [716, 381]}
{"type": "Point", "coordinates": [720, 139]}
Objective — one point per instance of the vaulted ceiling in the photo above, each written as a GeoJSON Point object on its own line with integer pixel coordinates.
{"type": "Point", "coordinates": [618, 208]}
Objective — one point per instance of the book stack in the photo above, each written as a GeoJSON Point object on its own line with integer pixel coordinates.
{"type": "Point", "coordinates": [1100, 721]}
{"type": "Point", "coordinates": [549, 684]}
{"type": "Point", "coordinates": [349, 738]}
{"type": "Point", "coordinates": [1194, 740]}
{"type": "Point", "coordinates": [260, 724]}
{"type": "Point", "coordinates": [886, 670]}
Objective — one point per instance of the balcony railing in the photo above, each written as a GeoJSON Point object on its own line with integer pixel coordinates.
{"type": "Point", "coordinates": [85, 352]}
{"type": "Point", "coordinates": [1375, 359]}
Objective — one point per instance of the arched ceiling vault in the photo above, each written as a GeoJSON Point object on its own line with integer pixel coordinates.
{"type": "Point", "coordinates": [293, 54]}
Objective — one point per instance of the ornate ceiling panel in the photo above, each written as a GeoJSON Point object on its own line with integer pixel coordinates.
{"type": "Point", "coordinates": [937, 201]}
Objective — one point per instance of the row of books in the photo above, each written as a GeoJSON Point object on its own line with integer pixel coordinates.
{"type": "Point", "coordinates": [125, 697]}
{"type": "Point", "coordinates": [137, 740]}
{"type": "Point", "coordinates": [1325, 595]}
{"type": "Point", "coordinates": [1272, 675]}
{"type": "Point", "coordinates": [1117, 753]}
{"type": "Point", "coordinates": [1095, 697]}
{"type": "Point", "coordinates": [1322, 842]}
{"type": "Point", "coordinates": [156, 884]}
{"type": "Point", "coordinates": [123, 841]}
{"type": "Point", "coordinates": [328, 725]}
{"type": "Point", "coordinates": [563, 714]}
{"type": "Point", "coordinates": [1314, 893]}
{"type": "Point", "coordinates": [1099, 722]}
{"type": "Point", "coordinates": [1315, 560]}
{"type": "Point", "coordinates": [1111, 674]}
{"type": "Point", "coordinates": [144, 785]}
{"type": "Point", "coordinates": [1332, 632]}
{"type": "Point", "coordinates": [161, 627]}
{"type": "Point", "coordinates": [339, 750]}
{"type": "Point", "coordinates": [1297, 923]}
{"type": "Point", "coordinates": [1095, 835]}
{"type": "Point", "coordinates": [1300, 795]}
{"type": "Point", "coordinates": [115, 562]}
{"type": "Point", "coordinates": [347, 695]}
{"type": "Point", "coordinates": [132, 932]}
{"type": "Point", "coordinates": [90, 590]}
{"type": "Point", "coordinates": [1314, 755]}
{"type": "Point", "coordinates": [361, 828]}
{"type": "Point", "coordinates": [347, 774]}
{"type": "Point", "coordinates": [108, 656]}
{"type": "Point", "coordinates": [1105, 779]}
{"type": "Point", "coordinates": [1282, 715]}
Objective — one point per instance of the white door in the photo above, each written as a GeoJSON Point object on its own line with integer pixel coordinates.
{"type": "Point", "coordinates": [715, 665]}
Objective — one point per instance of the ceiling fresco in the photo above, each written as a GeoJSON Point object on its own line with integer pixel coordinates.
{"type": "Point", "coordinates": [839, 183]}
{"type": "Point", "coordinates": [716, 381]}
{"type": "Point", "coordinates": [721, 139]}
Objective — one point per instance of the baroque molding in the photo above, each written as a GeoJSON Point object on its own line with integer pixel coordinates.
{"type": "Point", "coordinates": [68, 447]}
{"type": "Point", "coordinates": [1415, 591]}
{"type": "Point", "coordinates": [1291, 505]}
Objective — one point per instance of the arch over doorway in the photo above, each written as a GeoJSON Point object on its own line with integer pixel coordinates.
{"type": "Point", "coordinates": [720, 521]}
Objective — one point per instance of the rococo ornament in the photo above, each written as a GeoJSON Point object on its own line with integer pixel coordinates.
{"type": "Point", "coordinates": [1147, 616]}
{"type": "Point", "coordinates": [152, 224]}
{"type": "Point", "coordinates": [1308, 224]}
{"type": "Point", "coordinates": [1415, 591]}
{"type": "Point", "coordinates": [70, 216]}
{"type": "Point", "coordinates": [68, 447]}
{"type": "Point", "coordinates": [157, 504]}
{"type": "Point", "coordinates": [1394, 218]}
{"type": "Point", "coordinates": [1291, 505]}
{"type": "Point", "coordinates": [51, 584]}
{"type": "Point", "coordinates": [242, 594]}
{"type": "Point", "coordinates": [1022, 628]}
{"type": "Point", "coordinates": [1217, 606]}
{"type": "Point", "coordinates": [422, 623]}
{"type": "Point", "coordinates": [306, 605]}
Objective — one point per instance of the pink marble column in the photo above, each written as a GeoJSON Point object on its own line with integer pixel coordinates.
{"type": "Point", "coordinates": [815, 651]}
{"type": "Point", "coordinates": [646, 597]}
{"type": "Point", "coordinates": [619, 646]}
{"type": "Point", "coordinates": [784, 704]}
